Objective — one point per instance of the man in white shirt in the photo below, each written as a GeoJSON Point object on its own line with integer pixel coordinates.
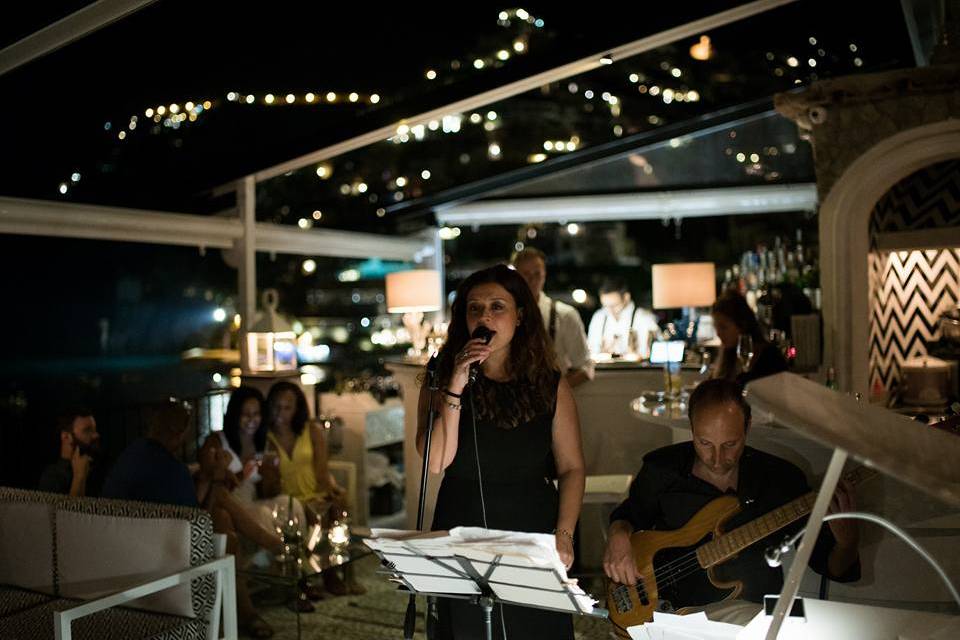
{"type": "Point", "coordinates": [615, 320]}
{"type": "Point", "coordinates": [562, 321]}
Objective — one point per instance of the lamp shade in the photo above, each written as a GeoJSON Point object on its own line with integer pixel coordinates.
{"type": "Point", "coordinates": [684, 284]}
{"type": "Point", "coordinates": [416, 290]}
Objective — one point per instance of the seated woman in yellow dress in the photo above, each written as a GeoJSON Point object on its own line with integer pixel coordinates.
{"type": "Point", "coordinates": [301, 446]}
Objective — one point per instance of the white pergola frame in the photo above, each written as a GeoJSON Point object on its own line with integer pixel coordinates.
{"type": "Point", "coordinates": [689, 203]}
{"type": "Point", "coordinates": [241, 232]}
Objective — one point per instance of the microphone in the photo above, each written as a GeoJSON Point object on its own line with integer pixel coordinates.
{"type": "Point", "coordinates": [774, 554]}
{"type": "Point", "coordinates": [485, 334]}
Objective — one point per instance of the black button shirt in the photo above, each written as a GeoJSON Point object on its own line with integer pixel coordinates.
{"type": "Point", "coordinates": [665, 495]}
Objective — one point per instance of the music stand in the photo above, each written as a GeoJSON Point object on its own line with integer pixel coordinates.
{"type": "Point", "coordinates": [484, 579]}
{"type": "Point", "coordinates": [900, 447]}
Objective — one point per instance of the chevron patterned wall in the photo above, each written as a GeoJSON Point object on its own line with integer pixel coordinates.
{"type": "Point", "coordinates": [928, 199]}
{"type": "Point", "coordinates": [910, 289]}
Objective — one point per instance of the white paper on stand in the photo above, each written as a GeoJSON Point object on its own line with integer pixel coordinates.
{"type": "Point", "coordinates": [529, 568]}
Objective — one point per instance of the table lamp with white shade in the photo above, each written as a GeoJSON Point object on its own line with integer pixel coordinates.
{"type": "Point", "coordinates": [684, 285]}
{"type": "Point", "coordinates": [414, 293]}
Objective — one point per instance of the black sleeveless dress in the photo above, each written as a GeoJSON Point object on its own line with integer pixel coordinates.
{"type": "Point", "coordinates": [514, 434]}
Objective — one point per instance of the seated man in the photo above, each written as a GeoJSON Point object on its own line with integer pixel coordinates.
{"type": "Point", "coordinates": [149, 470]}
{"type": "Point", "coordinates": [79, 445]}
{"type": "Point", "coordinates": [617, 319]}
{"type": "Point", "coordinates": [677, 481]}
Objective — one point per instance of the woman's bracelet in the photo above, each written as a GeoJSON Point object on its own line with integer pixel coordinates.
{"type": "Point", "coordinates": [563, 532]}
{"type": "Point", "coordinates": [455, 406]}
{"type": "Point", "coordinates": [452, 394]}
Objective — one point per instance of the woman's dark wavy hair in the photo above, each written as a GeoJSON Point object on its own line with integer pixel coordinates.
{"type": "Point", "coordinates": [301, 414]}
{"type": "Point", "coordinates": [531, 358]}
{"type": "Point", "coordinates": [734, 306]}
{"type": "Point", "coordinates": [231, 419]}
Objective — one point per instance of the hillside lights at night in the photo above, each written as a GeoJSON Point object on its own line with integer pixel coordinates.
{"type": "Point", "coordinates": [579, 296]}
{"type": "Point", "coordinates": [703, 50]}
{"type": "Point", "coordinates": [219, 314]}
{"type": "Point", "coordinates": [348, 275]}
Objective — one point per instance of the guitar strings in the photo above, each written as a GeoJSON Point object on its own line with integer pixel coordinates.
{"type": "Point", "coordinates": [670, 573]}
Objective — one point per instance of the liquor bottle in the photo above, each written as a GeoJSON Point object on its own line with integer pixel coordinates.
{"type": "Point", "coordinates": [831, 382]}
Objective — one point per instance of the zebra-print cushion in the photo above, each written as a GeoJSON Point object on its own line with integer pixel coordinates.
{"type": "Point", "coordinates": [201, 531]}
{"type": "Point", "coordinates": [13, 600]}
{"type": "Point", "coordinates": [111, 624]}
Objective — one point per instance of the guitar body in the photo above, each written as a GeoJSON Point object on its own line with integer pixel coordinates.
{"type": "Point", "coordinates": [663, 583]}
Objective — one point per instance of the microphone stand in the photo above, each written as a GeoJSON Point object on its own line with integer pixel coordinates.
{"type": "Point", "coordinates": [410, 620]}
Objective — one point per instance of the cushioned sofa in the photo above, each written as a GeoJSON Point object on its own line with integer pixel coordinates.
{"type": "Point", "coordinates": [92, 568]}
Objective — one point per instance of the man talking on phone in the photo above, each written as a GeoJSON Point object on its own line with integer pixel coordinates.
{"type": "Point", "coordinates": [79, 447]}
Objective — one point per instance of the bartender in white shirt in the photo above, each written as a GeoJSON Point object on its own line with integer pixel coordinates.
{"type": "Point", "coordinates": [619, 326]}
{"type": "Point", "coordinates": [562, 321]}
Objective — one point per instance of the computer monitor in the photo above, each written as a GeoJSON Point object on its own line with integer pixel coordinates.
{"type": "Point", "coordinates": [664, 351]}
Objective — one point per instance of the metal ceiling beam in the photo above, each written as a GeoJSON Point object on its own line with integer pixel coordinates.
{"type": "Point", "coordinates": [635, 206]}
{"type": "Point", "coordinates": [62, 32]}
{"type": "Point", "coordinates": [91, 222]}
{"type": "Point", "coordinates": [94, 222]}
{"type": "Point", "coordinates": [274, 238]}
{"type": "Point", "coordinates": [530, 83]}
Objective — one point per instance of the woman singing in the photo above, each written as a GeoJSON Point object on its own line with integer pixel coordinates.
{"type": "Point", "coordinates": [521, 414]}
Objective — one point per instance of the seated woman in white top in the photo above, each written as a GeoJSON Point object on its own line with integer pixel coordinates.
{"type": "Point", "coordinates": [244, 437]}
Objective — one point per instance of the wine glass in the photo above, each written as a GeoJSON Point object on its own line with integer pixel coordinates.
{"type": "Point", "coordinates": [745, 351]}
{"type": "Point", "coordinates": [287, 524]}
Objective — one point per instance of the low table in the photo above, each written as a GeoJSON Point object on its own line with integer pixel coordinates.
{"type": "Point", "coordinates": [307, 566]}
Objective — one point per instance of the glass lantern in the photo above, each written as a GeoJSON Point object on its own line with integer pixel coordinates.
{"type": "Point", "coordinates": [271, 343]}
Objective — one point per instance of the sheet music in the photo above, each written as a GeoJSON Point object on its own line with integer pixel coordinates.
{"type": "Point", "coordinates": [695, 626]}
{"type": "Point", "coordinates": [523, 568]}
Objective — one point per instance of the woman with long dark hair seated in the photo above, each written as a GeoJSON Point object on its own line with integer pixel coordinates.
{"type": "Point", "coordinates": [733, 318]}
{"type": "Point", "coordinates": [521, 414]}
{"type": "Point", "coordinates": [304, 472]}
{"type": "Point", "coordinates": [244, 438]}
